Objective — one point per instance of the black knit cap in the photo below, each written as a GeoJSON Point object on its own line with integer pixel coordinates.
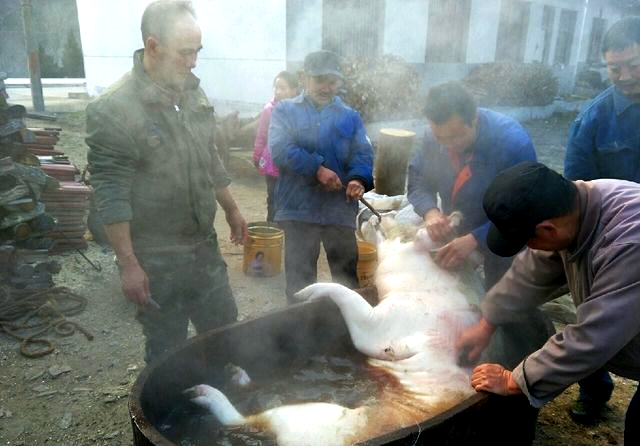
{"type": "Point", "coordinates": [518, 199]}
{"type": "Point", "coordinates": [321, 63]}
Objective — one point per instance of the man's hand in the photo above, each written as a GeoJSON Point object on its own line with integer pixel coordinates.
{"type": "Point", "coordinates": [329, 179]}
{"type": "Point", "coordinates": [238, 226]}
{"type": "Point", "coordinates": [474, 340]}
{"type": "Point", "coordinates": [135, 283]}
{"type": "Point", "coordinates": [454, 253]}
{"type": "Point", "coordinates": [437, 225]}
{"type": "Point", "coordinates": [355, 190]}
{"type": "Point", "coordinates": [235, 220]}
{"type": "Point", "coordinates": [495, 379]}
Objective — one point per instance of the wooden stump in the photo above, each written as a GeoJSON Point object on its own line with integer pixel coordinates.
{"type": "Point", "coordinates": [392, 157]}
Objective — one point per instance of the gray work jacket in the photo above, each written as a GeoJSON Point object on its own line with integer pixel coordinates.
{"type": "Point", "coordinates": [603, 275]}
{"type": "Point", "coordinates": [152, 159]}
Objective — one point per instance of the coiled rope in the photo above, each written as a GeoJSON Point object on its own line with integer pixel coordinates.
{"type": "Point", "coordinates": [29, 318]}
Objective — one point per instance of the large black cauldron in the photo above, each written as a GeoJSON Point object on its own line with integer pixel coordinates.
{"type": "Point", "coordinates": [277, 339]}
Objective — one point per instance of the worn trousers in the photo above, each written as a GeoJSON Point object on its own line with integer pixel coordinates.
{"type": "Point", "coordinates": [302, 249]}
{"type": "Point", "coordinates": [189, 284]}
{"type": "Point", "coordinates": [596, 387]}
{"type": "Point", "coordinates": [271, 201]}
{"type": "Point", "coordinates": [632, 420]}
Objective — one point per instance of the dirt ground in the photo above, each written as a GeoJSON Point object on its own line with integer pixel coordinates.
{"type": "Point", "coordinates": [78, 395]}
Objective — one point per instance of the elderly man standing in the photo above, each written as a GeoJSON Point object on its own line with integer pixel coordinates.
{"type": "Point", "coordinates": [157, 177]}
{"type": "Point", "coordinates": [584, 234]}
{"type": "Point", "coordinates": [604, 142]}
{"type": "Point", "coordinates": [326, 160]}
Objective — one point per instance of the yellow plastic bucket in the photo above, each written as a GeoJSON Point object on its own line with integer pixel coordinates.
{"type": "Point", "coordinates": [367, 263]}
{"type": "Point", "coordinates": [263, 250]}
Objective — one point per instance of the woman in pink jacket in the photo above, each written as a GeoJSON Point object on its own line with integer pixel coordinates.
{"type": "Point", "coordinates": [285, 85]}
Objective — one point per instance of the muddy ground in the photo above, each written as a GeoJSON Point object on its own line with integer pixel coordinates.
{"type": "Point", "coordinates": [78, 395]}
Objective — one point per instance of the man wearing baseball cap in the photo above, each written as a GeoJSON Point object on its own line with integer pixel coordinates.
{"type": "Point", "coordinates": [325, 159]}
{"type": "Point", "coordinates": [585, 234]}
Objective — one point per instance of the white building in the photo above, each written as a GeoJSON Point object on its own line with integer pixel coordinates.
{"type": "Point", "coordinates": [246, 42]}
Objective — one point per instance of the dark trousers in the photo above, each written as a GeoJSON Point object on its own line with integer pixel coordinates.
{"type": "Point", "coordinates": [189, 285]}
{"type": "Point", "coordinates": [632, 420]}
{"type": "Point", "coordinates": [596, 387]}
{"type": "Point", "coordinates": [302, 249]}
{"type": "Point", "coordinates": [271, 201]}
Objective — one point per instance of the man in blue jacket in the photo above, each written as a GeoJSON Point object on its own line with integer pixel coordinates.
{"type": "Point", "coordinates": [326, 161]}
{"type": "Point", "coordinates": [465, 147]}
{"type": "Point", "coordinates": [604, 142]}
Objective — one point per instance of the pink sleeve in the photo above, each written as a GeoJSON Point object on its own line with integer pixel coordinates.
{"type": "Point", "coordinates": [260, 144]}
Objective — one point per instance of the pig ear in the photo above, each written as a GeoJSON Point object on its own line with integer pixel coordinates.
{"type": "Point", "coordinates": [192, 392]}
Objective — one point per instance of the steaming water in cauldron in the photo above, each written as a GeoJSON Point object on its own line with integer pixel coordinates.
{"type": "Point", "coordinates": [299, 339]}
{"type": "Point", "coordinates": [319, 378]}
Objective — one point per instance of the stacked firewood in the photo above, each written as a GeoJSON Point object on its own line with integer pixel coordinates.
{"type": "Point", "coordinates": [512, 84]}
{"type": "Point", "coordinates": [384, 88]}
{"type": "Point", "coordinates": [24, 224]}
{"type": "Point", "coordinates": [33, 172]}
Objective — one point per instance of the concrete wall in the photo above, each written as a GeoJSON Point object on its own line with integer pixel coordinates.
{"type": "Point", "coordinates": [53, 21]}
{"type": "Point", "coordinates": [597, 8]}
{"type": "Point", "coordinates": [483, 31]}
{"type": "Point", "coordinates": [304, 30]}
{"type": "Point", "coordinates": [247, 44]}
{"type": "Point", "coordinates": [244, 46]}
{"type": "Point", "coordinates": [405, 29]}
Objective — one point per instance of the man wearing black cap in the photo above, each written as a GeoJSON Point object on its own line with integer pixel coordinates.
{"type": "Point", "coordinates": [585, 234]}
{"type": "Point", "coordinates": [326, 164]}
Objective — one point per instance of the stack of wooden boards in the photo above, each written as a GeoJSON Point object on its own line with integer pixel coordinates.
{"type": "Point", "coordinates": [69, 205]}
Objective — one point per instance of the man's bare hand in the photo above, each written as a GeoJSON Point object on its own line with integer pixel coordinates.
{"type": "Point", "coordinates": [474, 340]}
{"type": "Point", "coordinates": [454, 253]}
{"type": "Point", "coordinates": [495, 379]}
{"type": "Point", "coordinates": [437, 225]}
{"type": "Point", "coordinates": [135, 283]}
{"type": "Point", "coordinates": [238, 226]}
{"type": "Point", "coordinates": [329, 179]}
{"type": "Point", "coordinates": [355, 190]}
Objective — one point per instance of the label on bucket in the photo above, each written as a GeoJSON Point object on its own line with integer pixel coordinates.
{"type": "Point", "coordinates": [259, 266]}
{"type": "Point", "coordinates": [366, 277]}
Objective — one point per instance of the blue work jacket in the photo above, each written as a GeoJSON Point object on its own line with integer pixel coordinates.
{"type": "Point", "coordinates": [301, 139]}
{"type": "Point", "coordinates": [500, 142]}
{"type": "Point", "coordinates": [604, 140]}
